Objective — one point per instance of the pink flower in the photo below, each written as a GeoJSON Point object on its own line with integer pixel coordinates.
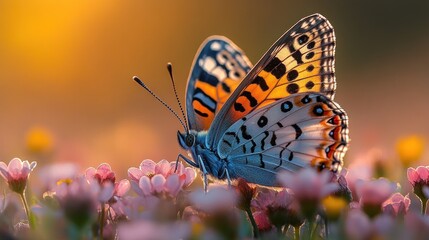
{"type": "Point", "coordinates": [102, 174]}
{"type": "Point", "coordinates": [217, 199]}
{"type": "Point", "coordinates": [52, 173]}
{"type": "Point", "coordinates": [152, 230]}
{"type": "Point", "coordinates": [106, 178]}
{"type": "Point", "coordinates": [359, 226]}
{"type": "Point", "coordinates": [262, 221]}
{"type": "Point", "coordinates": [78, 201]}
{"type": "Point", "coordinates": [17, 173]}
{"type": "Point", "coordinates": [309, 188]}
{"type": "Point", "coordinates": [373, 193]}
{"type": "Point", "coordinates": [397, 204]}
{"type": "Point", "coordinates": [279, 207]}
{"type": "Point", "coordinates": [419, 178]}
{"type": "Point", "coordinates": [160, 178]}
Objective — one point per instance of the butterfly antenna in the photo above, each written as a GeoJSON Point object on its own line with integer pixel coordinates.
{"type": "Point", "coordinates": [170, 71]}
{"type": "Point", "coordinates": [135, 78]}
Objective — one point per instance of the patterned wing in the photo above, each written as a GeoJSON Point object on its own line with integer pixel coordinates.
{"type": "Point", "coordinates": [302, 60]}
{"type": "Point", "coordinates": [299, 131]}
{"type": "Point", "coordinates": [218, 68]}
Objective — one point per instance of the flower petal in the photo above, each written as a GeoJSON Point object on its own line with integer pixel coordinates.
{"type": "Point", "coordinates": [163, 167]}
{"type": "Point", "coordinates": [90, 173]}
{"type": "Point", "coordinates": [122, 187]}
{"type": "Point", "coordinates": [14, 168]}
{"type": "Point", "coordinates": [145, 186]}
{"type": "Point", "coordinates": [147, 167]}
{"type": "Point", "coordinates": [173, 184]}
{"type": "Point", "coordinates": [158, 182]}
{"type": "Point", "coordinates": [135, 174]}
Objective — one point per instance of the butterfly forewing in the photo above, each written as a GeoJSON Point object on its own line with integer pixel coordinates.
{"type": "Point", "coordinates": [302, 60]}
{"type": "Point", "coordinates": [304, 130]}
{"type": "Point", "coordinates": [218, 68]}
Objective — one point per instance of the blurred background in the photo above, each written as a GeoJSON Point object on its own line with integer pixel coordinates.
{"type": "Point", "coordinates": [66, 93]}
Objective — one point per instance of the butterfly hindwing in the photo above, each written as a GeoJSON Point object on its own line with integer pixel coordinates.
{"type": "Point", "coordinates": [218, 68]}
{"type": "Point", "coordinates": [304, 130]}
{"type": "Point", "coordinates": [302, 60]}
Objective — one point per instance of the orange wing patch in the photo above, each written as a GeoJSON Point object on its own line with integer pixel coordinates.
{"type": "Point", "coordinates": [218, 69]}
{"type": "Point", "coordinates": [303, 62]}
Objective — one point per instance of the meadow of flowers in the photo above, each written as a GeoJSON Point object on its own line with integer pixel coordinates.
{"type": "Point", "coordinates": [158, 200]}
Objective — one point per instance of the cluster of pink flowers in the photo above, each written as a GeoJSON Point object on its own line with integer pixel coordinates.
{"type": "Point", "coordinates": [162, 205]}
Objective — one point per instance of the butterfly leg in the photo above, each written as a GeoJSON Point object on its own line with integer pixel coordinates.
{"type": "Point", "coordinates": [203, 169]}
{"type": "Point", "coordinates": [228, 178]}
{"type": "Point", "coordinates": [187, 160]}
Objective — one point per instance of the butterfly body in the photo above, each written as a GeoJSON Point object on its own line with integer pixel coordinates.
{"type": "Point", "coordinates": [279, 115]}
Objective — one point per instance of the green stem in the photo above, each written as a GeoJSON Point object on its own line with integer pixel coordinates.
{"type": "Point", "coordinates": [254, 225]}
{"type": "Point", "coordinates": [424, 205]}
{"type": "Point", "coordinates": [102, 216]}
{"type": "Point", "coordinates": [297, 232]}
{"type": "Point", "coordinates": [27, 211]}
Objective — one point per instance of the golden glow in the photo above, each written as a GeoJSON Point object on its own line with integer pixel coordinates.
{"type": "Point", "coordinates": [410, 149]}
{"type": "Point", "coordinates": [334, 206]}
{"type": "Point", "coordinates": [39, 140]}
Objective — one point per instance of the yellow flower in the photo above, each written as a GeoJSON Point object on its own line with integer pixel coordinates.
{"type": "Point", "coordinates": [39, 140]}
{"type": "Point", "coordinates": [410, 149]}
{"type": "Point", "coordinates": [334, 206]}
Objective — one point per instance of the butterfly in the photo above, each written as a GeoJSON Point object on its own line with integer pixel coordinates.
{"type": "Point", "coordinates": [251, 122]}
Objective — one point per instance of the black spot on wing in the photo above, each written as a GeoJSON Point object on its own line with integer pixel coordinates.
{"type": "Point", "coordinates": [262, 121]}
{"type": "Point", "coordinates": [262, 164]}
{"type": "Point", "coordinates": [279, 71]}
{"type": "Point", "coordinates": [227, 143]}
{"type": "Point", "coordinates": [272, 64]}
{"type": "Point", "coordinates": [201, 113]}
{"type": "Point", "coordinates": [260, 81]}
{"type": "Point", "coordinates": [249, 97]}
{"type": "Point", "coordinates": [252, 149]}
{"type": "Point", "coordinates": [244, 132]}
{"type": "Point", "coordinates": [263, 140]}
{"type": "Point", "coordinates": [226, 88]}
{"type": "Point", "coordinates": [273, 139]}
{"type": "Point", "coordinates": [298, 130]}
{"type": "Point", "coordinates": [239, 107]}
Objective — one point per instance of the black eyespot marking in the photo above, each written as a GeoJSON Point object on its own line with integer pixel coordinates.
{"type": "Point", "coordinates": [306, 99]}
{"type": "Point", "coordinates": [236, 74]}
{"type": "Point", "coordinates": [309, 85]}
{"type": "Point", "coordinates": [262, 122]}
{"type": "Point", "coordinates": [292, 75]}
{"type": "Point", "coordinates": [302, 39]}
{"type": "Point", "coordinates": [318, 110]}
{"type": "Point", "coordinates": [310, 68]}
{"type": "Point", "coordinates": [311, 45]}
{"type": "Point", "coordinates": [309, 55]}
{"type": "Point", "coordinates": [331, 133]}
{"type": "Point", "coordinates": [286, 106]}
{"type": "Point", "coordinates": [292, 88]}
